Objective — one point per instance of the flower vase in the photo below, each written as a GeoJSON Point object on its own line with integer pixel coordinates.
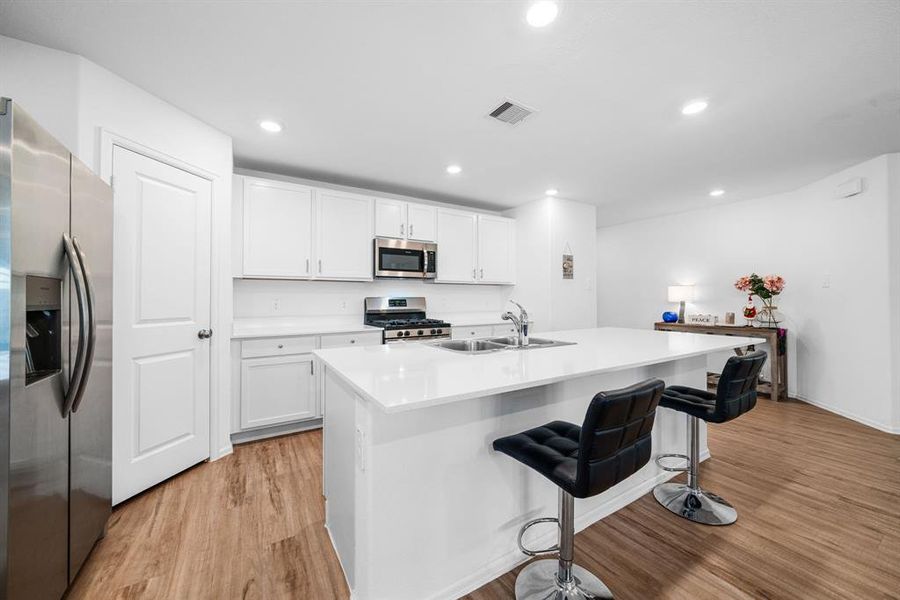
{"type": "Point", "coordinates": [768, 315]}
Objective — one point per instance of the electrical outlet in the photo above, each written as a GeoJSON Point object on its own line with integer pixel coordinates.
{"type": "Point", "coordinates": [276, 304]}
{"type": "Point", "coordinates": [343, 305]}
{"type": "Point", "coordinates": [360, 449]}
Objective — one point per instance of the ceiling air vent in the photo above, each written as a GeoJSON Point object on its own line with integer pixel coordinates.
{"type": "Point", "coordinates": [510, 112]}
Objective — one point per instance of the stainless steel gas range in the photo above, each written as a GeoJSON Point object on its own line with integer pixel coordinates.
{"type": "Point", "coordinates": [403, 319]}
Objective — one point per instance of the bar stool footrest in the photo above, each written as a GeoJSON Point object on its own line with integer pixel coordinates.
{"type": "Point", "coordinates": [526, 526]}
{"type": "Point", "coordinates": [684, 457]}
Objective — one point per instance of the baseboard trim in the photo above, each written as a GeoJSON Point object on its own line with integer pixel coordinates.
{"type": "Point", "coordinates": [252, 435]}
{"type": "Point", "coordinates": [514, 558]}
{"type": "Point", "coordinates": [850, 415]}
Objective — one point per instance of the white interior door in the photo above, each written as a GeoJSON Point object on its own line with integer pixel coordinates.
{"type": "Point", "coordinates": [161, 300]}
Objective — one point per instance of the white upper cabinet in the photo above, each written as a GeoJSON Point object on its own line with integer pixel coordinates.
{"type": "Point", "coordinates": [294, 231]}
{"type": "Point", "coordinates": [496, 249]}
{"type": "Point", "coordinates": [457, 246]}
{"type": "Point", "coordinates": [422, 222]}
{"type": "Point", "coordinates": [405, 220]}
{"type": "Point", "coordinates": [474, 248]}
{"type": "Point", "coordinates": [277, 224]}
{"type": "Point", "coordinates": [344, 233]}
{"type": "Point", "coordinates": [390, 218]}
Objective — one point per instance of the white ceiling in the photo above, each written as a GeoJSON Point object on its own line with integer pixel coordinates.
{"type": "Point", "coordinates": [386, 94]}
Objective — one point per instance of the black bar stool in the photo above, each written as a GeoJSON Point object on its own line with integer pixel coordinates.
{"type": "Point", "coordinates": [612, 444]}
{"type": "Point", "coordinates": [736, 395]}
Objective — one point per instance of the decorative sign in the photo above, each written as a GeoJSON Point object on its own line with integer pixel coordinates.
{"type": "Point", "coordinates": [702, 319]}
{"type": "Point", "coordinates": [568, 263]}
{"type": "Point", "coordinates": [568, 266]}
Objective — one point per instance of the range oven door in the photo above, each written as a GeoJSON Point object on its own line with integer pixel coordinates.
{"type": "Point", "coordinates": [402, 258]}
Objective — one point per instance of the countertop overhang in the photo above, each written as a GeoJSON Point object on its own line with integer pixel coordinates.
{"type": "Point", "coordinates": [401, 377]}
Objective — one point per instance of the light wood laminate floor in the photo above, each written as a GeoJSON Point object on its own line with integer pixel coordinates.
{"type": "Point", "coordinates": [818, 498]}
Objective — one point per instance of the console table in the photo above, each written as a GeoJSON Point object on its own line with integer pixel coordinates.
{"type": "Point", "coordinates": [777, 339]}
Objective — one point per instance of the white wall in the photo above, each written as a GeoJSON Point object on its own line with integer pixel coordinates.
{"type": "Point", "coordinates": [838, 256]}
{"type": "Point", "coordinates": [544, 230]}
{"type": "Point", "coordinates": [45, 83]}
{"type": "Point", "coordinates": [78, 102]}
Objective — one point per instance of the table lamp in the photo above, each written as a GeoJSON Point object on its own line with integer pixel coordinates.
{"type": "Point", "coordinates": [681, 294]}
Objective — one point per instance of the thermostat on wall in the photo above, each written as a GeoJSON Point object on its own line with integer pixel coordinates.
{"type": "Point", "coordinates": [851, 187]}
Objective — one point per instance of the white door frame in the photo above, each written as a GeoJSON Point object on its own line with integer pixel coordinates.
{"type": "Point", "coordinates": [220, 282]}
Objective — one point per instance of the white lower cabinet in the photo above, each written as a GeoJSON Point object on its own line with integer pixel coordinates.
{"type": "Point", "coordinates": [277, 389]}
{"type": "Point", "coordinates": [281, 380]}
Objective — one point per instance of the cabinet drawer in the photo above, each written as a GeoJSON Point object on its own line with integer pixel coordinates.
{"type": "Point", "coordinates": [278, 346]}
{"type": "Point", "coordinates": [369, 338]}
{"type": "Point", "coordinates": [462, 333]}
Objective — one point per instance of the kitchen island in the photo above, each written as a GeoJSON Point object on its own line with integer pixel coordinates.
{"type": "Point", "coordinates": [418, 505]}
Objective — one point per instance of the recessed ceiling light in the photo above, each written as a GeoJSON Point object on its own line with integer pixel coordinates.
{"type": "Point", "coordinates": [694, 107]}
{"type": "Point", "coordinates": [270, 126]}
{"type": "Point", "coordinates": [454, 169]}
{"type": "Point", "coordinates": [716, 193]}
{"type": "Point", "coordinates": [542, 13]}
{"type": "Point", "coordinates": [552, 192]}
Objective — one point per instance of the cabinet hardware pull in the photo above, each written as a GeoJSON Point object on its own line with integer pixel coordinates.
{"type": "Point", "coordinates": [307, 265]}
{"type": "Point", "coordinates": [473, 274]}
{"type": "Point", "coordinates": [482, 273]}
{"type": "Point", "coordinates": [411, 229]}
{"type": "Point", "coordinates": [312, 368]}
{"type": "Point", "coordinates": [280, 346]}
{"type": "Point", "coordinates": [320, 266]}
{"type": "Point", "coordinates": [352, 341]}
{"type": "Point", "coordinates": [402, 226]}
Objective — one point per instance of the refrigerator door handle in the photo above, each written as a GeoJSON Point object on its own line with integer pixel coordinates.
{"type": "Point", "coordinates": [91, 329]}
{"type": "Point", "coordinates": [78, 365]}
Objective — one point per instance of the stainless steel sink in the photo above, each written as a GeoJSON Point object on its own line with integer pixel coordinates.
{"type": "Point", "coordinates": [513, 343]}
{"type": "Point", "coordinates": [483, 346]}
{"type": "Point", "coordinates": [470, 346]}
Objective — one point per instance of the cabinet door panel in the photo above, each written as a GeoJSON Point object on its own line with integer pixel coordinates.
{"type": "Point", "coordinates": [390, 218]}
{"type": "Point", "coordinates": [344, 233]}
{"type": "Point", "coordinates": [277, 229]}
{"type": "Point", "coordinates": [422, 220]}
{"type": "Point", "coordinates": [496, 249]}
{"type": "Point", "coordinates": [277, 389]}
{"type": "Point", "coordinates": [456, 246]}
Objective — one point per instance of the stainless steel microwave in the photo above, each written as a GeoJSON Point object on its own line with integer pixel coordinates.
{"type": "Point", "coordinates": [404, 258]}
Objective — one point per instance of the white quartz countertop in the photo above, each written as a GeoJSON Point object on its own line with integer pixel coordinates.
{"type": "Point", "coordinates": [400, 377]}
{"type": "Point", "coordinates": [288, 326]}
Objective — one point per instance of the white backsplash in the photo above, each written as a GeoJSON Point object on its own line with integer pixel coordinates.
{"type": "Point", "coordinates": [272, 298]}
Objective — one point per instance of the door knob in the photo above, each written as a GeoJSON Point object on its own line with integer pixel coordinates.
{"type": "Point", "coordinates": [204, 334]}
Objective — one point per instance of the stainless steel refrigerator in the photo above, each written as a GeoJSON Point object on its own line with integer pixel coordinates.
{"type": "Point", "coordinates": [55, 360]}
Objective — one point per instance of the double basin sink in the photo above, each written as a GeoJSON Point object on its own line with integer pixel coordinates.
{"type": "Point", "coordinates": [496, 344]}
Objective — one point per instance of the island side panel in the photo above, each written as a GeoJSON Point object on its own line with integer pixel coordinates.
{"type": "Point", "coordinates": [340, 470]}
{"type": "Point", "coordinates": [443, 509]}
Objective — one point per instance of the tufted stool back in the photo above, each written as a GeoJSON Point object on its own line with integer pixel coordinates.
{"type": "Point", "coordinates": [615, 438]}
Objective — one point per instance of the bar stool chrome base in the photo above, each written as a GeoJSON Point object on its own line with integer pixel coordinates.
{"type": "Point", "coordinates": [539, 581]}
{"type": "Point", "coordinates": [695, 505]}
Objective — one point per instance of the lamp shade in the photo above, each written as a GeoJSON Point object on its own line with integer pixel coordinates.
{"type": "Point", "coordinates": [681, 293]}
